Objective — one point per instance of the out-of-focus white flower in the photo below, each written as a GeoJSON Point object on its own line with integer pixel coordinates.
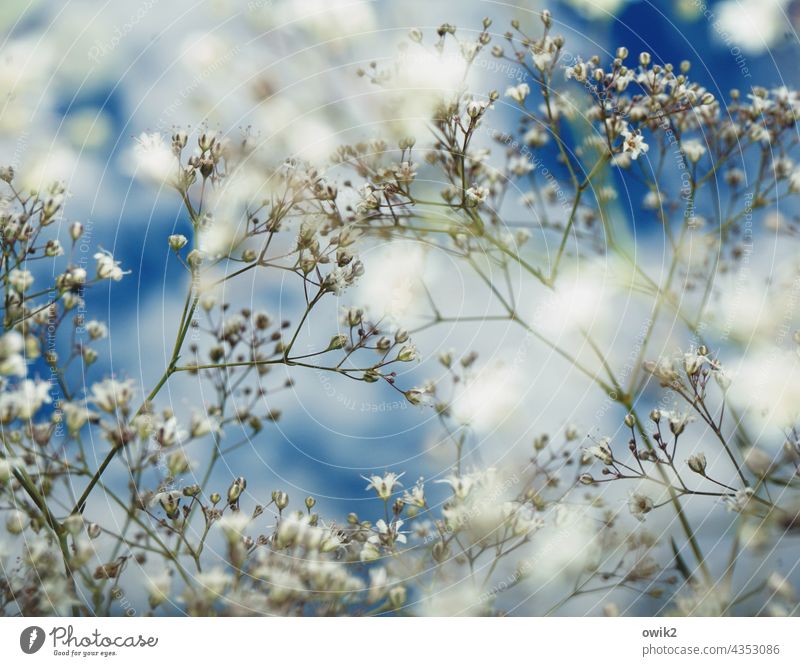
{"type": "Point", "coordinates": [699, 600]}
{"type": "Point", "coordinates": [154, 159]}
{"type": "Point", "coordinates": [581, 299]}
{"type": "Point", "coordinates": [758, 461]}
{"type": "Point", "coordinates": [211, 584]}
{"type": "Point", "coordinates": [405, 173]}
{"type": "Point", "coordinates": [233, 524]}
{"type": "Point", "coordinates": [766, 385]}
{"type": "Point", "coordinates": [12, 361]}
{"type": "Point", "coordinates": [20, 280]}
{"type": "Point", "coordinates": [696, 249]}
{"type": "Point", "coordinates": [202, 424]}
{"type": "Point", "coordinates": [168, 432]}
{"type": "Point", "coordinates": [395, 287]}
{"type": "Point", "coordinates": [110, 394]}
{"type": "Point", "coordinates": [96, 329]}
{"type": "Point", "coordinates": [488, 398]}
{"type": "Point", "coordinates": [7, 468]}
{"type": "Point", "coordinates": [520, 165]}
{"type": "Point", "coordinates": [453, 600]}
{"type": "Point", "coordinates": [605, 9]}
{"type": "Point", "coordinates": [519, 92]}
{"type": "Point", "coordinates": [107, 268]}
{"type": "Point", "coordinates": [29, 397]}
{"type": "Point", "coordinates": [753, 25]}
{"type": "Point", "coordinates": [566, 545]}
{"type": "Point", "coordinates": [326, 19]}
{"type": "Point", "coordinates": [639, 505]}
{"type": "Point", "coordinates": [781, 586]}
{"type": "Point", "coordinates": [76, 415]}
{"type": "Point", "coordinates": [369, 552]}
{"type": "Point", "coordinates": [461, 484]}
{"type": "Point", "coordinates": [158, 588]}
{"type": "Point", "coordinates": [693, 150]}
{"type": "Point", "coordinates": [543, 54]}
{"type": "Point", "coordinates": [421, 80]}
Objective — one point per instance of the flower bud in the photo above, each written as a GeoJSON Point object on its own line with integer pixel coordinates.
{"type": "Point", "coordinates": [236, 489]}
{"type": "Point", "coordinates": [194, 259]}
{"type": "Point", "coordinates": [76, 231]}
{"type": "Point", "coordinates": [177, 242]}
{"type": "Point", "coordinates": [281, 499]}
{"type": "Point", "coordinates": [630, 421]}
{"type": "Point", "coordinates": [337, 342]}
{"type": "Point", "coordinates": [697, 463]}
{"type": "Point", "coordinates": [406, 354]}
{"type": "Point", "coordinates": [310, 502]}
{"type": "Point", "coordinates": [16, 521]}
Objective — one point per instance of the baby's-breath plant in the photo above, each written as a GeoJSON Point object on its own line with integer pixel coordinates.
{"type": "Point", "coordinates": [599, 123]}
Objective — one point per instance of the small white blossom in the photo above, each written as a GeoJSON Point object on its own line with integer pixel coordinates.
{"type": "Point", "coordinates": [639, 505]}
{"type": "Point", "coordinates": [634, 144]}
{"type": "Point", "coordinates": [519, 92]}
{"type": "Point", "coordinates": [154, 159]}
{"type": "Point", "coordinates": [110, 394]}
{"type": "Point", "coordinates": [107, 268]}
{"type": "Point", "coordinates": [20, 280]}
{"type": "Point", "coordinates": [477, 194]}
{"type": "Point", "coordinates": [693, 150]}
{"type": "Point", "coordinates": [383, 485]}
